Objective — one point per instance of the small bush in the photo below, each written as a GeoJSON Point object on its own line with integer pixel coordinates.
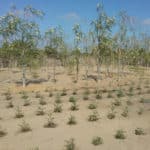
{"type": "Point", "coordinates": [10, 105]}
{"type": "Point", "coordinates": [58, 99]}
{"type": "Point", "coordinates": [74, 92]}
{"type": "Point", "coordinates": [25, 127]}
{"type": "Point", "coordinates": [64, 92]}
{"type": "Point", "coordinates": [50, 94]}
{"type": "Point", "coordinates": [97, 141]}
{"type": "Point", "coordinates": [85, 97]}
{"type": "Point", "coordinates": [94, 116]}
{"type": "Point", "coordinates": [57, 108]}
{"type": "Point", "coordinates": [74, 106]}
{"type": "Point", "coordinates": [120, 93]}
{"type": "Point", "coordinates": [42, 101]}
{"type": "Point", "coordinates": [71, 120]}
{"type": "Point", "coordinates": [111, 115]}
{"type": "Point", "coordinates": [120, 134]}
{"type": "Point", "coordinates": [27, 102]}
{"type": "Point", "coordinates": [72, 99]}
{"type": "Point", "coordinates": [19, 113]}
{"type": "Point", "coordinates": [70, 144]}
{"type": "Point", "coordinates": [140, 111]}
{"type": "Point", "coordinates": [2, 132]}
{"type": "Point", "coordinates": [110, 94]}
{"type": "Point", "coordinates": [98, 95]}
{"type": "Point", "coordinates": [139, 131]}
{"type": "Point", "coordinates": [92, 106]}
{"type": "Point", "coordinates": [24, 95]}
{"type": "Point", "coordinates": [50, 122]}
{"type": "Point", "coordinates": [38, 94]}
{"type": "Point", "coordinates": [129, 103]}
{"type": "Point", "coordinates": [40, 111]}
{"type": "Point", "coordinates": [8, 95]}
{"type": "Point", "coordinates": [117, 102]}
{"type": "Point", "coordinates": [125, 112]}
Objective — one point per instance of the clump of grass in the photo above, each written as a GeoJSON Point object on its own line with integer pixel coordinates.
{"type": "Point", "coordinates": [85, 97]}
{"type": "Point", "coordinates": [112, 113]}
{"type": "Point", "coordinates": [40, 111]}
{"type": "Point", "coordinates": [140, 111]}
{"type": "Point", "coordinates": [8, 95]}
{"type": "Point", "coordinates": [97, 141]}
{"type": "Point", "coordinates": [130, 91]}
{"type": "Point", "coordinates": [125, 112]}
{"type": "Point", "coordinates": [74, 106]}
{"type": "Point", "coordinates": [70, 144]}
{"type": "Point", "coordinates": [38, 94]}
{"type": "Point", "coordinates": [27, 102]}
{"type": "Point", "coordinates": [24, 95]}
{"type": "Point", "coordinates": [94, 116]}
{"type": "Point", "coordinates": [72, 120]}
{"type": "Point", "coordinates": [120, 134]}
{"type": "Point", "coordinates": [35, 148]}
{"type": "Point", "coordinates": [10, 104]}
{"type": "Point", "coordinates": [72, 99]}
{"type": "Point", "coordinates": [42, 101]}
{"type": "Point", "coordinates": [129, 103]}
{"type": "Point", "coordinates": [98, 95]}
{"type": "Point", "coordinates": [58, 99]}
{"type": "Point", "coordinates": [19, 113]}
{"type": "Point", "coordinates": [117, 102]}
{"type": "Point", "coordinates": [57, 108]}
{"type": "Point", "coordinates": [92, 106]}
{"type": "Point", "coordinates": [110, 94]}
{"type": "Point", "coordinates": [64, 92]}
{"type": "Point", "coordinates": [120, 93]}
{"type": "Point", "coordinates": [74, 92]}
{"type": "Point", "coordinates": [50, 94]}
{"type": "Point", "coordinates": [2, 132]}
{"type": "Point", "coordinates": [104, 90]}
{"type": "Point", "coordinates": [50, 122]}
{"type": "Point", "coordinates": [139, 131]}
{"type": "Point", "coordinates": [25, 127]}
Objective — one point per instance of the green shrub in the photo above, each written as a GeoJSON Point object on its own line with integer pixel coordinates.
{"type": "Point", "coordinates": [42, 101]}
{"type": "Point", "coordinates": [26, 102]}
{"type": "Point", "coordinates": [92, 106]}
{"type": "Point", "coordinates": [10, 104]}
{"type": "Point", "coordinates": [24, 95]}
{"type": "Point", "coordinates": [74, 106]}
{"type": "Point", "coordinates": [97, 141]}
{"type": "Point", "coordinates": [58, 99]}
{"type": "Point", "coordinates": [94, 116]}
{"type": "Point", "coordinates": [64, 92]}
{"type": "Point", "coordinates": [40, 111]}
{"type": "Point", "coordinates": [50, 122]}
{"type": "Point", "coordinates": [72, 120]}
{"type": "Point", "coordinates": [72, 99]}
{"type": "Point", "coordinates": [125, 112]}
{"type": "Point", "coordinates": [139, 131]}
{"type": "Point", "coordinates": [57, 108]}
{"type": "Point", "coordinates": [19, 113]}
{"type": "Point", "coordinates": [120, 93]}
{"type": "Point", "coordinates": [25, 127]}
{"type": "Point", "coordinates": [70, 144]}
{"type": "Point", "coordinates": [2, 132]}
{"type": "Point", "coordinates": [117, 102]}
{"type": "Point", "coordinates": [120, 134]}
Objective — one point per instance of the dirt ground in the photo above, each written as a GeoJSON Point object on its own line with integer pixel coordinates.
{"type": "Point", "coordinates": [83, 131]}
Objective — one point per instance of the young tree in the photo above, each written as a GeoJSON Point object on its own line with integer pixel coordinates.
{"type": "Point", "coordinates": [101, 29]}
{"type": "Point", "coordinates": [77, 40]}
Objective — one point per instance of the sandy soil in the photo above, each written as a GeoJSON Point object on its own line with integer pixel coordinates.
{"type": "Point", "coordinates": [84, 131]}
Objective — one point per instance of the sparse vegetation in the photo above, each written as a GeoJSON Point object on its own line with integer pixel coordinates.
{"type": "Point", "coordinates": [72, 120]}
{"type": "Point", "coordinates": [2, 132]}
{"type": "Point", "coordinates": [40, 111]}
{"type": "Point", "coordinates": [97, 141]}
{"type": "Point", "coordinates": [94, 116]}
{"type": "Point", "coordinates": [120, 134]}
{"type": "Point", "coordinates": [139, 131]}
{"type": "Point", "coordinates": [19, 113]}
{"type": "Point", "coordinates": [42, 101]}
{"type": "Point", "coordinates": [70, 144]}
{"type": "Point", "coordinates": [72, 99]}
{"type": "Point", "coordinates": [57, 108]}
{"type": "Point", "coordinates": [50, 122]}
{"type": "Point", "coordinates": [92, 106]}
{"type": "Point", "coordinates": [24, 127]}
{"type": "Point", "coordinates": [74, 106]}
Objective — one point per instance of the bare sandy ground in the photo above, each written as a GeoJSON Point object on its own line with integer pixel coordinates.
{"type": "Point", "coordinates": [84, 131]}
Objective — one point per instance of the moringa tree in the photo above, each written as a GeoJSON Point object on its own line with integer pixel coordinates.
{"type": "Point", "coordinates": [22, 33]}
{"type": "Point", "coordinates": [102, 26]}
{"type": "Point", "coordinates": [77, 41]}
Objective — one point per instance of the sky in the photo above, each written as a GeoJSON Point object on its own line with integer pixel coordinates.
{"type": "Point", "coordinates": [69, 12]}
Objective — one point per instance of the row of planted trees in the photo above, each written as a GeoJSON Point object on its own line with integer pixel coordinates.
{"type": "Point", "coordinates": [23, 45]}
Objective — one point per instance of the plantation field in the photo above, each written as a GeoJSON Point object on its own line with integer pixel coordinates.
{"type": "Point", "coordinates": [47, 115]}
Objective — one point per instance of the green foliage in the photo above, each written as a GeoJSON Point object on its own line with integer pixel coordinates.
{"type": "Point", "coordinates": [72, 120]}
{"type": "Point", "coordinates": [72, 99]}
{"type": "Point", "coordinates": [25, 127]}
{"type": "Point", "coordinates": [40, 111]}
{"type": "Point", "coordinates": [120, 134]}
{"type": "Point", "coordinates": [74, 106]}
{"type": "Point", "coordinates": [57, 108]}
{"type": "Point", "coordinates": [94, 116]}
{"type": "Point", "coordinates": [97, 141]}
{"type": "Point", "coordinates": [92, 106]}
{"type": "Point", "coordinates": [70, 144]}
{"type": "Point", "coordinates": [139, 131]}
